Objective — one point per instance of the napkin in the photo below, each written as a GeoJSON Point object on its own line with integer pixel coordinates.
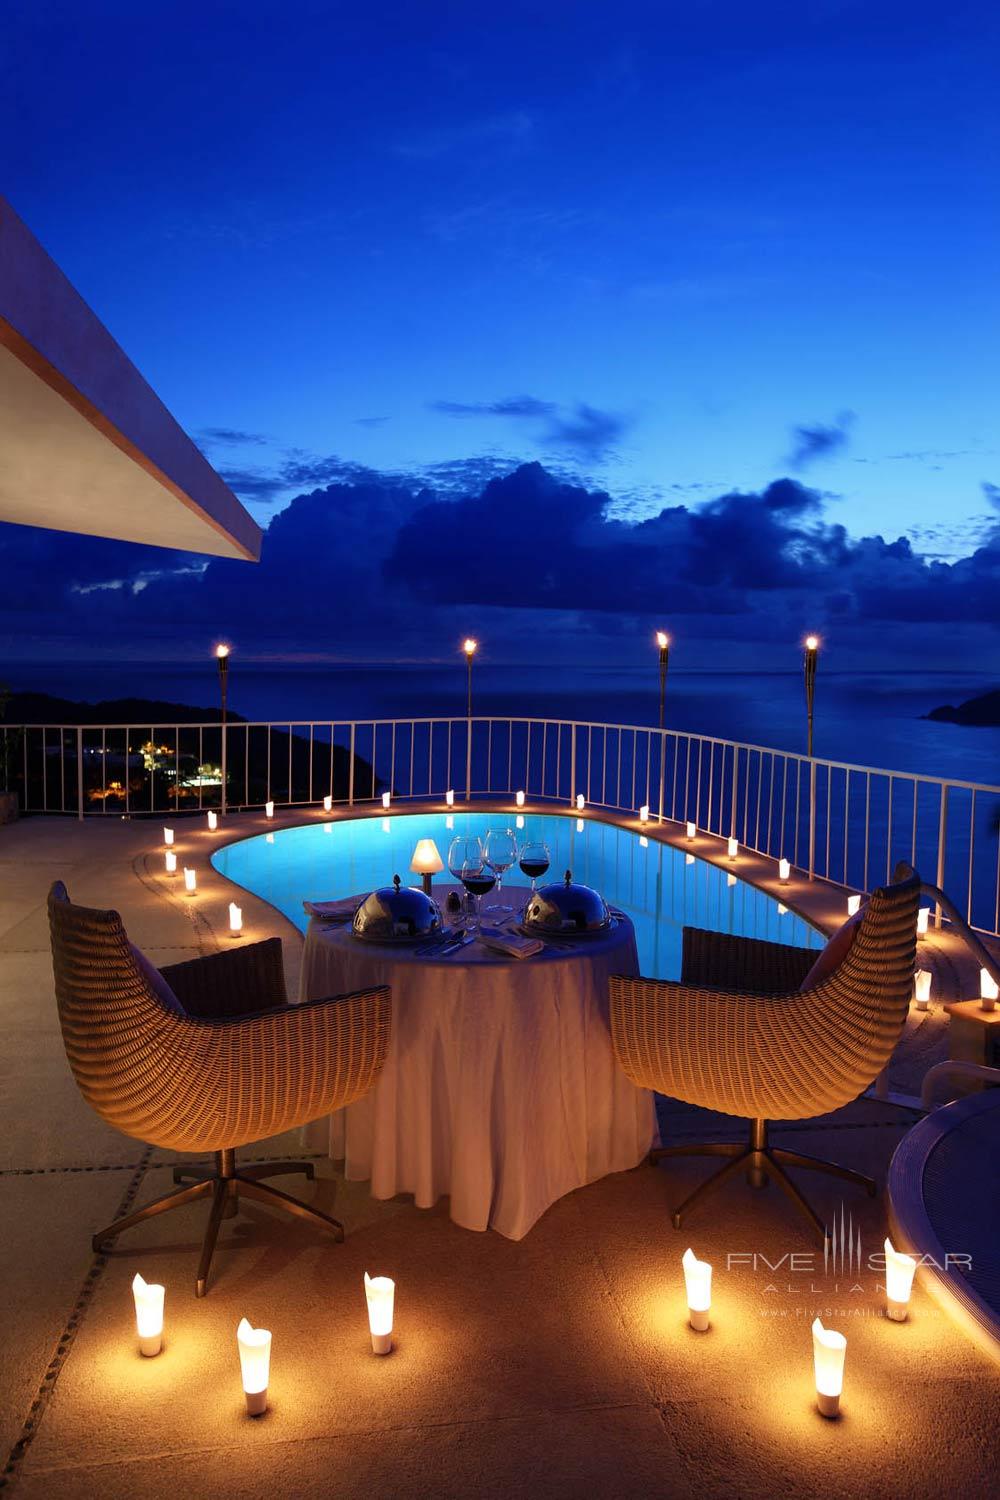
{"type": "Point", "coordinates": [512, 944]}
{"type": "Point", "coordinates": [334, 911]}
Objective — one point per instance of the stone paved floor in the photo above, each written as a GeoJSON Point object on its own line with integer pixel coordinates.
{"type": "Point", "coordinates": [558, 1366]}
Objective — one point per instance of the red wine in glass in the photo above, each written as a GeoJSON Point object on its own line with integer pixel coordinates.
{"type": "Point", "coordinates": [534, 862]}
{"type": "Point", "coordinates": [478, 878]}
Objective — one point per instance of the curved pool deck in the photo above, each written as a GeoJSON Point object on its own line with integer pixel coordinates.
{"type": "Point", "coordinates": [944, 1208]}
{"type": "Point", "coordinates": [662, 887]}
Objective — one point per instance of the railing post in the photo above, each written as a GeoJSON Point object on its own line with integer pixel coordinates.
{"type": "Point", "coordinates": [812, 819]}
{"type": "Point", "coordinates": [663, 761]}
{"type": "Point", "coordinates": [735, 791]}
{"type": "Point", "coordinates": [79, 773]}
{"type": "Point", "coordinates": [350, 771]}
{"type": "Point", "coordinates": [572, 765]}
{"type": "Point", "coordinates": [224, 739]}
{"type": "Point", "coordinates": [942, 846]}
{"type": "Point", "coordinates": [468, 758]}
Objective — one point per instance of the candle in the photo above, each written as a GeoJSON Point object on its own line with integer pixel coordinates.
{"type": "Point", "coordinates": [853, 905]}
{"type": "Point", "coordinates": [168, 836]}
{"type": "Point", "coordinates": [381, 1293]}
{"type": "Point", "coordinates": [829, 1349]}
{"type": "Point", "coordinates": [580, 802]}
{"type": "Point", "coordinates": [922, 988]}
{"type": "Point", "coordinates": [386, 799]}
{"type": "Point", "coordinates": [988, 989]}
{"type": "Point", "coordinates": [784, 871]}
{"type": "Point", "coordinates": [170, 860]}
{"type": "Point", "coordinates": [148, 1315]}
{"type": "Point", "coordinates": [899, 1269]}
{"type": "Point", "coordinates": [732, 847]}
{"type": "Point", "coordinates": [519, 798]}
{"type": "Point", "coordinates": [691, 830]}
{"type": "Point", "coordinates": [449, 798]}
{"type": "Point", "coordinates": [328, 803]}
{"type": "Point", "coordinates": [698, 1284]}
{"type": "Point", "coordinates": [644, 813]}
{"type": "Point", "coordinates": [269, 809]}
{"type": "Point", "coordinates": [519, 821]}
{"type": "Point", "coordinates": [235, 919]}
{"type": "Point", "coordinates": [213, 822]}
{"type": "Point", "coordinates": [255, 1365]}
{"type": "Point", "coordinates": [190, 881]}
{"type": "Point", "coordinates": [923, 916]}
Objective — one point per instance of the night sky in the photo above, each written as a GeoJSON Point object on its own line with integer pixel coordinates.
{"type": "Point", "coordinates": [631, 314]}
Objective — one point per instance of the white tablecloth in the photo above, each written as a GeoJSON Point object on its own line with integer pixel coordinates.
{"type": "Point", "coordinates": [500, 1086]}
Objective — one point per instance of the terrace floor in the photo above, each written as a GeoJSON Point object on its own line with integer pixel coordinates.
{"type": "Point", "coordinates": [561, 1365]}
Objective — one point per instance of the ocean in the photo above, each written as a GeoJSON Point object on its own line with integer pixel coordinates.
{"type": "Point", "coordinates": [870, 719]}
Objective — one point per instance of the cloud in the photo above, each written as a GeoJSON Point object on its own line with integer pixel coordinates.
{"type": "Point", "coordinates": [586, 431]}
{"type": "Point", "coordinates": [369, 421]}
{"type": "Point", "coordinates": [811, 442]}
{"type": "Point", "coordinates": [231, 436]}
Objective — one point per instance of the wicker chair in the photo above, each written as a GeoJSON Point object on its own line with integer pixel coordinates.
{"type": "Point", "coordinates": [194, 1082]}
{"type": "Point", "coordinates": [761, 1048]}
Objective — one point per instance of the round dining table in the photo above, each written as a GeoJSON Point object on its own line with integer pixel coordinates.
{"type": "Point", "coordinates": [500, 1089]}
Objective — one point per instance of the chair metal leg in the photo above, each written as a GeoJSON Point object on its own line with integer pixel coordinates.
{"type": "Point", "coordinates": [194, 1173]}
{"type": "Point", "coordinates": [259, 1169]}
{"type": "Point", "coordinates": [737, 1159]}
{"type": "Point", "coordinates": [221, 1196]}
{"type": "Point", "coordinates": [832, 1168]}
{"type": "Point", "coordinates": [150, 1210]}
{"type": "Point", "coordinates": [788, 1186]}
{"type": "Point", "coordinates": [275, 1198]}
{"type": "Point", "coordinates": [698, 1148]}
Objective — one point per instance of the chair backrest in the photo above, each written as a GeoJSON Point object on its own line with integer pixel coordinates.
{"type": "Point", "coordinates": [108, 1012]}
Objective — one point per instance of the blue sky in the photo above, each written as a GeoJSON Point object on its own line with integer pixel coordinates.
{"type": "Point", "coordinates": [671, 250]}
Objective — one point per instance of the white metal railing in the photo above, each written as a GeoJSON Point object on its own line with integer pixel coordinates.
{"type": "Point", "coordinates": [837, 821]}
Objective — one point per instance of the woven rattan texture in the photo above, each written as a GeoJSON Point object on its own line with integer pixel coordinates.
{"type": "Point", "coordinates": [187, 1083]}
{"type": "Point", "coordinates": [783, 1056]}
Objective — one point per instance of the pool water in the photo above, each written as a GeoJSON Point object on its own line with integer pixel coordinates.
{"type": "Point", "coordinates": [663, 889]}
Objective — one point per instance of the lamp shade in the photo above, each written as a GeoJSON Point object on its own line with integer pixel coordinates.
{"type": "Point", "coordinates": [426, 859]}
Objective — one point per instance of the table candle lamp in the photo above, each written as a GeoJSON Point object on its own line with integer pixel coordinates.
{"type": "Point", "coordinates": [899, 1269]}
{"type": "Point", "coordinates": [148, 1297]}
{"type": "Point", "coordinates": [168, 836]}
{"type": "Point", "coordinates": [784, 871]}
{"type": "Point", "coordinates": [426, 862]}
{"type": "Point", "coordinates": [698, 1285]}
{"type": "Point", "coordinates": [170, 861]}
{"type": "Point", "coordinates": [922, 988]}
{"type": "Point", "coordinates": [988, 989]}
{"type": "Point", "coordinates": [732, 847]}
{"type": "Point", "coordinates": [381, 1294]}
{"type": "Point", "coordinates": [235, 919]}
{"type": "Point", "coordinates": [213, 822]}
{"type": "Point", "coordinates": [328, 803]}
{"type": "Point", "coordinates": [255, 1365]}
{"type": "Point", "coordinates": [829, 1349]}
{"type": "Point", "coordinates": [190, 881]}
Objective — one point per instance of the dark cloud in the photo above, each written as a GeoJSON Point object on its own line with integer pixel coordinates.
{"type": "Point", "coordinates": [231, 436]}
{"type": "Point", "coordinates": [992, 492]}
{"type": "Point", "coordinates": [370, 421]}
{"type": "Point", "coordinates": [583, 430]}
{"type": "Point", "coordinates": [814, 441]}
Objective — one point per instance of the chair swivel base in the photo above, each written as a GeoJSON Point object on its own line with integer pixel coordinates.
{"type": "Point", "coordinates": [225, 1185]}
{"type": "Point", "coordinates": [760, 1160]}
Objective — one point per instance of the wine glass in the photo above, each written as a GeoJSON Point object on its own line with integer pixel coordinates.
{"type": "Point", "coordinates": [478, 877]}
{"type": "Point", "coordinates": [501, 852]}
{"type": "Point", "coordinates": [464, 850]}
{"type": "Point", "coordinates": [534, 860]}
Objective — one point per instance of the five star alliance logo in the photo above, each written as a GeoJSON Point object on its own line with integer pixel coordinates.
{"type": "Point", "coordinates": [842, 1247]}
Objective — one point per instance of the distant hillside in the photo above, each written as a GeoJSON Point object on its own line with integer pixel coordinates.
{"type": "Point", "coordinates": [982, 712]}
{"type": "Point", "coordinates": [43, 708]}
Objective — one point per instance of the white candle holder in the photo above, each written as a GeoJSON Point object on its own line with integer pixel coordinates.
{"type": "Point", "coordinates": [519, 799]}
{"type": "Point", "coordinates": [170, 862]}
{"type": "Point", "coordinates": [386, 800]}
{"type": "Point", "coordinates": [190, 880]}
{"type": "Point", "coordinates": [923, 917]}
{"type": "Point", "coordinates": [235, 919]}
{"type": "Point", "coordinates": [922, 988]}
{"type": "Point", "coordinates": [255, 1365]}
{"type": "Point", "coordinates": [328, 803]}
{"type": "Point", "coordinates": [213, 821]}
{"type": "Point", "coordinates": [829, 1349]}
{"type": "Point", "coordinates": [698, 1285]}
{"type": "Point", "coordinates": [380, 1292]}
{"type": "Point", "coordinates": [269, 809]}
{"type": "Point", "coordinates": [732, 847]}
{"type": "Point", "coordinates": [581, 802]}
{"type": "Point", "coordinates": [899, 1271]}
{"type": "Point", "coordinates": [988, 989]}
{"type": "Point", "coordinates": [168, 836]}
{"type": "Point", "coordinates": [784, 871]}
{"type": "Point", "coordinates": [644, 813]}
{"type": "Point", "coordinates": [691, 831]}
{"type": "Point", "coordinates": [148, 1297]}
{"type": "Point", "coordinates": [449, 799]}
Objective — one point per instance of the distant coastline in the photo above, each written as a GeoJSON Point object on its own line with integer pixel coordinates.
{"type": "Point", "coordinates": [982, 712]}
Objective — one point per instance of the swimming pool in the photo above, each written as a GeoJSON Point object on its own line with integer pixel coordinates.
{"type": "Point", "coordinates": [663, 889]}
